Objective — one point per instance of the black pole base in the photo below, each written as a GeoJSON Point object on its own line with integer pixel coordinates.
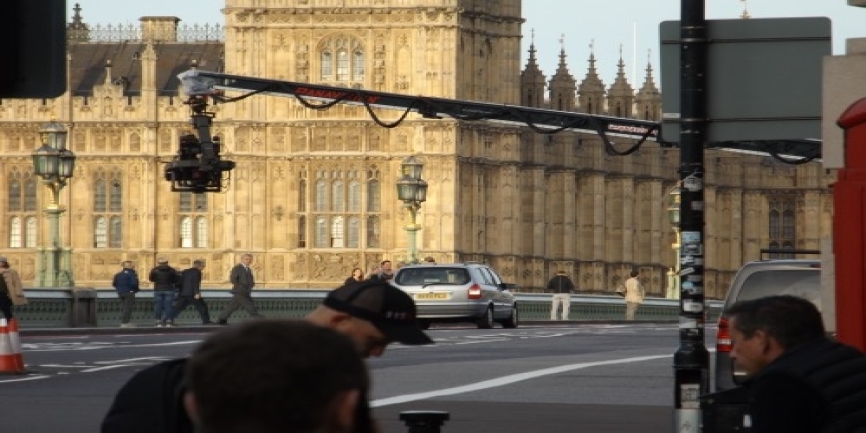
{"type": "Point", "coordinates": [424, 421]}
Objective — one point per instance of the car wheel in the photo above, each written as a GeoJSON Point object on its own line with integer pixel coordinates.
{"type": "Point", "coordinates": [486, 319]}
{"type": "Point", "coordinates": [513, 320]}
{"type": "Point", "coordinates": [423, 324]}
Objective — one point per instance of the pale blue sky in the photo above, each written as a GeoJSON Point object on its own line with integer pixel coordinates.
{"type": "Point", "coordinates": [608, 25]}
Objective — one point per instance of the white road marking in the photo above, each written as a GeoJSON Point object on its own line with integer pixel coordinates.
{"type": "Point", "coordinates": [506, 380]}
{"type": "Point", "coordinates": [107, 367]}
{"type": "Point", "coordinates": [23, 379]}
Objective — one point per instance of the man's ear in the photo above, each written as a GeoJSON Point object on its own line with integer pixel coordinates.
{"type": "Point", "coordinates": [337, 318]}
{"type": "Point", "coordinates": [345, 405]}
{"type": "Point", "coordinates": [765, 342]}
{"type": "Point", "coordinates": [189, 405]}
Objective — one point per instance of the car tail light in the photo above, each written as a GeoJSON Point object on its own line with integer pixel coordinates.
{"type": "Point", "coordinates": [474, 292]}
{"type": "Point", "coordinates": [723, 336]}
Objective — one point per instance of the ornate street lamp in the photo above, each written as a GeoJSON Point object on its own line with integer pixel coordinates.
{"type": "Point", "coordinates": [412, 191]}
{"type": "Point", "coordinates": [55, 164]}
{"type": "Point", "coordinates": [674, 219]}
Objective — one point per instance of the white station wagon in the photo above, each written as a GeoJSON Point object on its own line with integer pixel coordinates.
{"type": "Point", "coordinates": [459, 292]}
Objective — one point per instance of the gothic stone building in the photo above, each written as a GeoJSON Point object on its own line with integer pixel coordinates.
{"type": "Point", "coordinates": [313, 194]}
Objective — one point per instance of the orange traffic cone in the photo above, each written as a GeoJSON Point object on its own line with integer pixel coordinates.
{"type": "Point", "coordinates": [11, 360]}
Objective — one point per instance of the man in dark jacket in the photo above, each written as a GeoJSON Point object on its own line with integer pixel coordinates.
{"type": "Point", "coordinates": [165, 280]}
{"type": "Point", "coordinates": [126, 284]}
{"type": "Point", "coordinates": [190, 292]}
{"type": "Point", "coordinates": [561, 286]}
{"type": "Point", "coordinates": [799, 381]}
{"type": "Point", "coordinates": [372, 314]}
{"type": "Point", "coordinates": [243, 282]}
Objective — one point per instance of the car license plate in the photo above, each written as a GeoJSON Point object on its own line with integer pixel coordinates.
{"type": "Point", "coordinates": [431, 296]}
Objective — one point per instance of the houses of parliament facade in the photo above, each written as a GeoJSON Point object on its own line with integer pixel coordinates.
{"type": "Point", "coordinates": [313, 194]}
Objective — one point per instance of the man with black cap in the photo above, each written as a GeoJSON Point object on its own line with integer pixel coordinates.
{"type": "Point", "coordinates": [372, 315]}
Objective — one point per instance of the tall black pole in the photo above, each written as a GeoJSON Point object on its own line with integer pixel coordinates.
{"type": "Point", "coordinates": [691, 360]}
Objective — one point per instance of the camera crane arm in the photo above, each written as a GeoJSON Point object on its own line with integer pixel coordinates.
{"type": "Point", "coordinates": [540, 120]}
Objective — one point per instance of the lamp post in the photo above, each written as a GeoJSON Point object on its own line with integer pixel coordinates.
{"type": "Point", "coordinates": [54, 163]}
{"type": "Point", "coordinates": [674, 219]}
{"type": "Point", "coordinates": [412, 191]}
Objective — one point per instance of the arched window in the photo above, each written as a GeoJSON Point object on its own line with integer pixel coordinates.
{"type": "Point", "coordinates": [327, 66]}
{"type": "Point", "coordinates": [321, 196]}
{"type": "Point", "coordinates": [782, 224]}
{"type": "Point", "coordinates": [30, 232]}
{"type": "Point", "coordinates": [321, 232]}
{"type": "Point", "coordinates": [115, 234]}
{"type": "Point", "coordinates": [14, 195]}
{"type": "Point", "coordinates": [21, 209]}
{"type": "Point", "coordinates": [193, 213]}
{"type": "Point", "coordinates": [373, 196]}
{"type": "Point", "coordinates": [339, 214]}
{"type": "Point", "coordinates": [201, 232]}
{"type": "Point", "coordinates": [302, 195]}
{"type": "Point", "coordinates": [302, 232]}
{"type": "Point", "coordinates": [337, 232]}
{"type": "Point", "coordinates": [342, 65]}
{"type": "Point", "coordinates": [15, 232]}
{"type": "Point", "coordinates": [30, 194]}
{"type": "Point", "coordinates": [108, 209]}
{"type": "Point", "coordinates": [100, 233]}
{"type": "Point", "coordinates": [342, 60]}
{"type": "Point", "coordinates": [373, 231]}
{"type": "Point", "coordinates": [353, 233]}
{"type": "Point", "coordinates": [354, 196]}
{"type": "Point", "coordinates": [100, 195]}
{"type": "Point", "coordinates": [337, 203]}
{"type": "Point", "coordinates": [186, 232]}
{"type": "Point", "coordinates": [358, 65]}
{"type": "Point", "coordinates": [775, 224]}
{"type": "Point", "coordinates": [115, 203]}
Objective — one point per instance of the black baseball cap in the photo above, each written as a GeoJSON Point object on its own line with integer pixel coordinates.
{"type": "Point", "coordinates": [388, 308]}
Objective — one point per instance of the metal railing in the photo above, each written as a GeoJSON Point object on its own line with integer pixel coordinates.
{"type": "Point", "coordinates": [88, 307]}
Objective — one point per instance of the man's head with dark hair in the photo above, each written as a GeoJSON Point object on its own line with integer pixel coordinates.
{"type": "Point", "coordinates": [634, 273]}
{"type": "Point", "coordinates": [277, 376]}
{"type": "Point", "coordinates": [763, 329]}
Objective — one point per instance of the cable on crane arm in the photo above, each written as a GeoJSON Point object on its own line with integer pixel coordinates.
{"type": "Point", "coordinates": [608, 145]}
{"type": "Point", "coordinates": [778, 157]}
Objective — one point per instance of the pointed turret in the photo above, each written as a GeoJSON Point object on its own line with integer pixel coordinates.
{"type": "Point", "coordinates": [562, 85]}
{"type": "Point", "coordinates": [620, 96]}
{"type": "Point", "coordinates": [77, 30]}
{"type": "Point", "coordinates": [532, 80]}
{"type": "Point", "coordinates": [591, 92]}
{"type": "Point", "coordinates": [649, 98]}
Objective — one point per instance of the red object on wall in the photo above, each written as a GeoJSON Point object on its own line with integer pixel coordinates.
{"type": "Point", "coordinates": [849, 230]}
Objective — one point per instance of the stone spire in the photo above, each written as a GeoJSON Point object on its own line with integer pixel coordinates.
{"type": "Point", "coordinates": [77, 30]}
{"type": "Point", "coordinates": [620, 96]}
{"type": "Point", "coordinates": [562, 84]}
{"type": "Point", "coordinates": [591, 92]}
{"type": "Point", "coordinates": [532, 80]}
{"type": "Point", "coordinates": [649, 98]}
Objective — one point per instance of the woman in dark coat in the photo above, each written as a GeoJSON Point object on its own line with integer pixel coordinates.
{"type": "Point", "coordinates": [355, 279]}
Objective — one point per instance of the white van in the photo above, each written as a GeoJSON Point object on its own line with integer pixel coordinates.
{"type": "Point", "coordinates": [755, 280]}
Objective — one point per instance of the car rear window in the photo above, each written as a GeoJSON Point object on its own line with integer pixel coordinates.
{"type": "Point", "coordinates": [805, 283]}
{"type": "Point", "coordinates": [437, 275]}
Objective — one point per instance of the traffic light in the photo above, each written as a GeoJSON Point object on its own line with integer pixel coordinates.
{"type": "Point", "coordinates": [33, 49]}
{"type": "Point", "coordinates": [197, 167]}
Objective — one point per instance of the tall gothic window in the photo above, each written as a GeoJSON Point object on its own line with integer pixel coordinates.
{"type": "Point", "coordinates": [342, 59]}
{"type": "Point", "coordinates": [782, 225]}
{"type": "Point", "coordinates": [193, 214]}
{"type": "Point", "coordinates": [337, 218]}
{"type": "Point", "coordinates": [21, 210]}
{"type": "Point", "coordinates": [107, 210]}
